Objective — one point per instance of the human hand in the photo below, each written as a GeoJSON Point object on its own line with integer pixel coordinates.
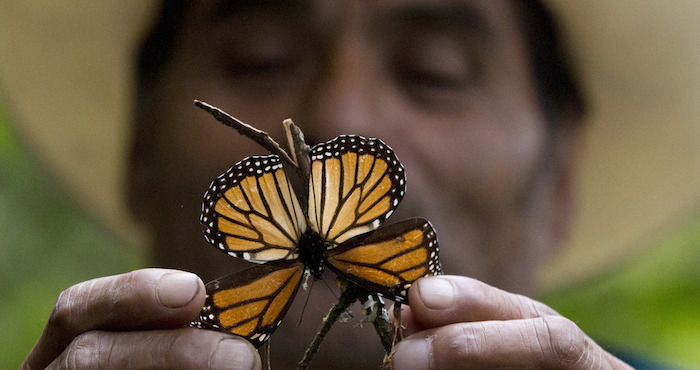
{"type": "Point", "coordinates": [459, 322]}
{"type": "Point", "coordinates": [135, 320]}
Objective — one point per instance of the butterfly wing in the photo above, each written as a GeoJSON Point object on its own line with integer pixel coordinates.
{"type": "Point", "coordinates": [252, 212]}
{"type": "Point", "coordinates": [355, 184]}
{"type": "Point", "coordinates": [252, 302]}
{"type": "Point", "coordinates": [389, 259]}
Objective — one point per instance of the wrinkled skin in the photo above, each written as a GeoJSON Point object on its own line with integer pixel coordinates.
{"type": "Point", "coordinates": [456, 101]}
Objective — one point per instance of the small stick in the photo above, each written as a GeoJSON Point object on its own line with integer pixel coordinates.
{"type": "Point", "coordinates": [382, 325]}
{"type": "Point", "coordinates": [300, 152]}
{"type": "Point", "coordinates": [397, 322]}
{"type": "Point", "coordinates": [347, 297]}
{"type": "Point", "coordinates": [259, 136]}
{"type": "Point", "coordinates": [386, 363]}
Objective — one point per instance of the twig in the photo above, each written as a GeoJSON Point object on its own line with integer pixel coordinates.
{"type": "Point", "coordinates": [347, 297]}
{"type": "Point", "coordinates": [381, 323]}
{"type": "Point", "coordinates": [259, 136]}
{"type": "Point", "coordinates": [386, 364]}
{"type": "Point", "coordinates": [397, 321]}
{"type": "Point", "coordinates": [300, 153]}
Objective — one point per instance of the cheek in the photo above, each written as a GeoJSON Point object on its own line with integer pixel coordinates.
{"type": "Point", "coordinates": [490, 161]}
{"type": "Point", "coordinates": [484, 163]}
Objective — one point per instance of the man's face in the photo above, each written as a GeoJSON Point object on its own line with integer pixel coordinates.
{"type": "Point", "coordinates": [446, 84]}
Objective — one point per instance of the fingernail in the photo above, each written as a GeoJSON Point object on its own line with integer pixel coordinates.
{"type": "Point", "coordinates": [412, 354]}
{"type": "Point", "coordinates": [233, 354]}
{"type": "Point", "coordinates": [437, 293]}
{"type": "Point", "coordinates": [177, 289]}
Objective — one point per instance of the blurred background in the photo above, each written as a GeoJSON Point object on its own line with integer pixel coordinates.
{"type": "Point", "coordinates": [628, 276]}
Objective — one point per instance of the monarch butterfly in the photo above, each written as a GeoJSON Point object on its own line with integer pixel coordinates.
{"type": "Point", "coordinates": [251, 212]}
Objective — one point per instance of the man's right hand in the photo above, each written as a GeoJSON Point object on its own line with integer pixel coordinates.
{"type": "Point", "coordinates": [136, 320]}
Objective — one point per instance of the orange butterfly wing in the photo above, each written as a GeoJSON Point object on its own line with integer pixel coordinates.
{"type": "Point", "coordinates": [389, 259]}
{"type": "Point", "coordinates": [252, 211]}
{"type": "Point", "coordinates": [354, 185]}
{"type": "Point", "coordinates": [251, 303]}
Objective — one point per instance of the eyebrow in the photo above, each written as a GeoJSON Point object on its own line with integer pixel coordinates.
{"type": "Point", "coordinates": [460, 19]}
{"type": "Point", "coordinates": [225, 9]}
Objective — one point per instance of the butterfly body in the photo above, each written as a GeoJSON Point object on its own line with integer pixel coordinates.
{"type": "Point", "coordinates": [312, 252]}
{"type": "Point", "coordinates": [252, 212]}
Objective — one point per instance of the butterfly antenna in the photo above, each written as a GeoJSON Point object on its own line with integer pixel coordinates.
{"type": "Point", "coordinates": [330, 290]}
{"type": "Point", "coordinates": [345, 308]}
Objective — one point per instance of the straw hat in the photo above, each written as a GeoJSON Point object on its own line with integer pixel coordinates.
{"type": "Point", "coordinates": [65, 79]}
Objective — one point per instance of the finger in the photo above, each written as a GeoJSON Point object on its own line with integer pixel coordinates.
{"type": "Point", "coordinates": [441, 300]}
{"type": "Point", "coordinates": [185, 348]}
{"type": "Point", "coordinates": [142, 299]}
{"type": "Point", "coordinates": [543, 342]}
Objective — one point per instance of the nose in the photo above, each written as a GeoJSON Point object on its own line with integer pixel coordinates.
{"type": "Point", "coordinates": [341, 98]}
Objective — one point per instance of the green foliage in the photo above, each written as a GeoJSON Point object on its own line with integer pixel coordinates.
{"type": "Point", "coordinates": [48, 244]}
{"type": "Point", "coordinates": [651, 305]}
